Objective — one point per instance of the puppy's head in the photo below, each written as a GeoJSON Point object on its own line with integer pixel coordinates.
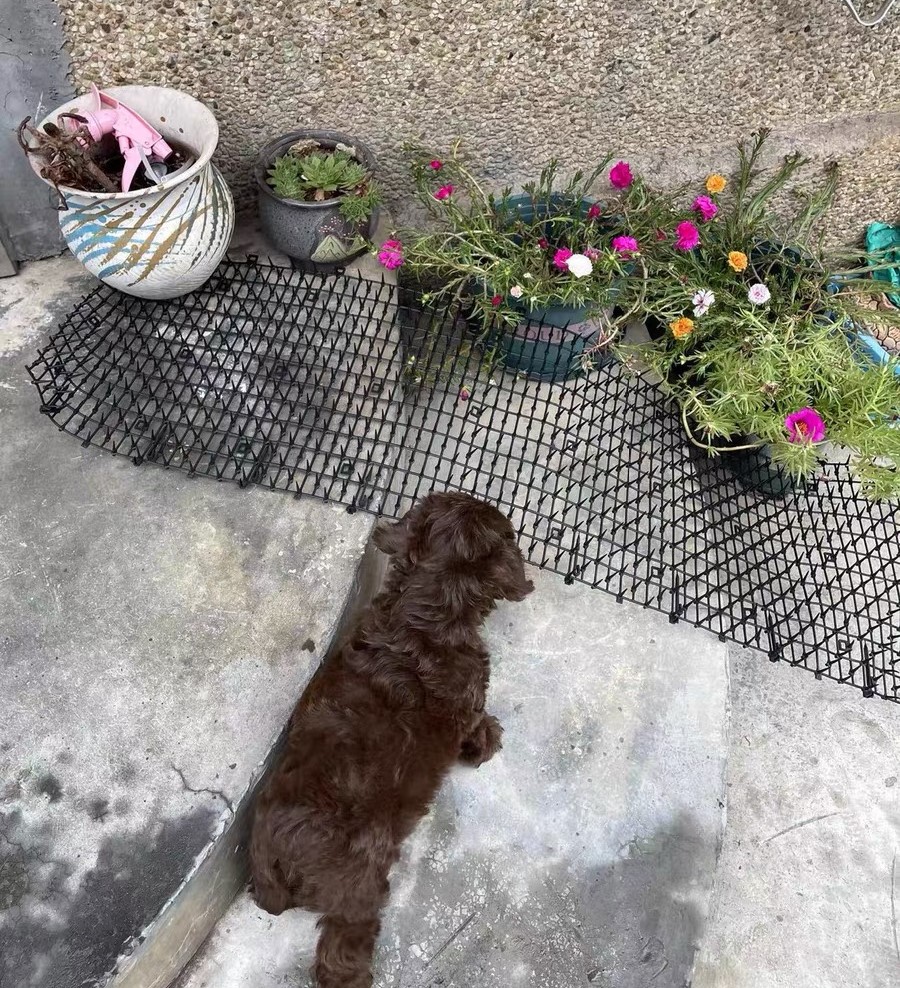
{"type": "Point", "coordinates": [459, 535]}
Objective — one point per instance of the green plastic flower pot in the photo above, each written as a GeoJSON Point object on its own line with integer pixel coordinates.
{"type": "Point", "coordinates": [549, 343]}
{"type": "Point", "coordinates": [752, 468]}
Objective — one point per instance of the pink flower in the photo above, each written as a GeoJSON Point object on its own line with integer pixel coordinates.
{"type": "Point", "coordinates": [626, 246]}
{"type": "Point", "coordinates": [543, 243]}
{"type": "Point", "coordinates": [687, 236]}
{"type": "Point", "coordinates": [391, 254]}
{"type": "Point", "coordinates": [444, 192]}
{"type": "Point", "coordinates": [805, 426]}
{"type": "Point", "coordinates": [560, 258]}
{"type": "Point", "coordinates": [436, 165]}
{"type": "Point", "coordinates": [592, 253]}
{"type": "Point", "coordinates": [759, 294]}
{"type": "Point", "coordinates": [705, 207]}
{"type": "Point", "coordinates": [620, 175]}
{"type": "Point", "coordinates": [593, 211]}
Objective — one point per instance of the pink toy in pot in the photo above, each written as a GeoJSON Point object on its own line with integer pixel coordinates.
{"type": "Point", "coordinates": [138, 141]}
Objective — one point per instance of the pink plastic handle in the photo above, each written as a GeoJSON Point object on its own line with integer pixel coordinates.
{"type": "Point", "coordinates": [132, 156]}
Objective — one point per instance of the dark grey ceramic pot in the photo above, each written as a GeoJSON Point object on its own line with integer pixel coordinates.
{"type": "Point", "coordinates": [313, 233]}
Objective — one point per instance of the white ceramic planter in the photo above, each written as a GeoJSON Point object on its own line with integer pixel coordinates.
{"type": "Point", "coordinates": [160, 242]}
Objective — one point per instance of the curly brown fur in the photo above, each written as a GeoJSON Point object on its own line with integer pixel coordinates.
{"type": "Point", "coordinates": [381, 723]}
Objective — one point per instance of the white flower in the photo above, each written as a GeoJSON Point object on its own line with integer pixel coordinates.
{"type": "Point", "coordinates": [703, 301]}
{"type": "Point", "coordinates": [516, 291]}
{"type": "Point", "coordinates": [759, 294]}
{"type": "Point", "coordinates": [580, 265]}
{"type": "Point", "coordinates": [529, 276]}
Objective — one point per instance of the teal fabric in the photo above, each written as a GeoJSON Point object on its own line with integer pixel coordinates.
{"type": "Point", "coordinates": [884, 237]}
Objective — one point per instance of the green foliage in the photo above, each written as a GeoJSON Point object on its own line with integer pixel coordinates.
{"type": "Point", "coordinates": [489, 247]}
{"type": "Point", "coordinates": [744, 367]}
{"type": "Point", "coordinates": [357, 207]}
{"type": "Point", "coordinates": [334, 172]}
{"type": "Point", "coordinates": [285, 177]}
{"type": "Point", "coordinates": [313, 174]}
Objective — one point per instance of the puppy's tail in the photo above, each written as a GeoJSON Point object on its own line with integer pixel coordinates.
{"type": "Point", "coordinates": [345, 950]}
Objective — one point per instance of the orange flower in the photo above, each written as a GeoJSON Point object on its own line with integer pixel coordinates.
{"type": "Point", "coordinates": [737, 261]}
{"type": "Point", "coordinates": [682, 327]}
{"type": "Point", "coordinates": [716, 184]}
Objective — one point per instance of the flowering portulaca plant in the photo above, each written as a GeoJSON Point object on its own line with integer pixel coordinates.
{"type": "Point", "coordinates": [757, 327]}
{"type": "Point", "coordinates": [557, 242]}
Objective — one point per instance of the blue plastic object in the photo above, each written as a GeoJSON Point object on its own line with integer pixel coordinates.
{"type": "Point", "coordinates": [884, 239]}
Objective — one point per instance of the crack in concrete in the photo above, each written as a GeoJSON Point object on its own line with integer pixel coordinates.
{"type": "Point", "coordinates": [894, 905]}
{"type": "Point", "coordinates": [802, 823]}
{"type": "Point", "coordinates": [30, 853]}
{"type": "Point", "coordinates": [456, 933]}
{"type": "Point", "coordinates": [211, 792]}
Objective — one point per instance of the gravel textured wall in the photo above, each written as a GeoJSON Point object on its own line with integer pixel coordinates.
{"type": "Point", "coordinates": [669, 83]}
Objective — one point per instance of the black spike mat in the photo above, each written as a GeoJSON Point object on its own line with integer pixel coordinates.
{"type": "Point", "coordinates": [349, 391]}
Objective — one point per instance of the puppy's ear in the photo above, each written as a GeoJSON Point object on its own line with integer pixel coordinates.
{"type": "Point", "coordinates": [390, 538]}
{"type": "Point", "coordinates": [507, 579]}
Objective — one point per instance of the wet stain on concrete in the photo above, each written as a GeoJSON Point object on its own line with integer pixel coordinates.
{"type": "Point", "coordinates": [643, 908]}
{"type": "Point", "coordinates": [49, 786]}
{"type": "Point", "coordinates": [134, 875]}
{"type": "Point", "coordinates": [632, 923]}
{"type": "Point", "coordinates": [98, 810]}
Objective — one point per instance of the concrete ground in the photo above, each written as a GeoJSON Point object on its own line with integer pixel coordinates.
{"type": "Point", "coordinates": [807, 884]}
{"type": "Point", "coordinates": [583, 853]}
{"type": "Point", "coordinates": [154, 634]}
{"type": "Point", "coordinates": [665, 811]}
{"type": "Point", "coordinates": [513, 880]}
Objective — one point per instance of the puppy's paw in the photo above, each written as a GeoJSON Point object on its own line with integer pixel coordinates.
{"type": "Point", "coordinates": [483, 743]}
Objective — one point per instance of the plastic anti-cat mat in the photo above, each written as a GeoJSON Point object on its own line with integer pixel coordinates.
{"type": "Point", "coordinates": [355, 392]}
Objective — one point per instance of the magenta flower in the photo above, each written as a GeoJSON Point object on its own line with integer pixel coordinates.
{"type": "Point", "coordinates": [444, 192]}
{"type": "Point", "coordinates": [687, 236]}
{"type": "Point", "coordinates": [436, 165]}
{"type": "Point", "coordinates": [705, 207]}
{"type": "Point", "coordinates": [593, 211]}
{"type": "Point", "coordinates": [626, 246]}
{"type": "Point", "coordinates": [591, 253]}
{"type": "Point", "coordinates": [805, 426]}
{"type": "Point", "coordinates": [496, 300]}
{"type": "Point", "coordinates": [543, 243]}
{"type": "Point", "coordinates": [560, 258]}
{"type": "Point", "coordinates": [620, 175]}
{"type": "Point", "coordinates": [391, 254]}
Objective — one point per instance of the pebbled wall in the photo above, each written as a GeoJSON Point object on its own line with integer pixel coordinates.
{"type": "Point", "coordinates": [669, 83]}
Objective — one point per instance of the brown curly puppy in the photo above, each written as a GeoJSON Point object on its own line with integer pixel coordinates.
{"type": "Point", "coordinates": [380, 725]}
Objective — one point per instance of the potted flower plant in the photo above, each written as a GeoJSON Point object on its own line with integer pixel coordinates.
{"type": "Point", "coordinates": [318, 201]}
{"type": "Point", "coordinates": [757, 334]}
{"type": "Point", "coordinates": [537, 268]}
